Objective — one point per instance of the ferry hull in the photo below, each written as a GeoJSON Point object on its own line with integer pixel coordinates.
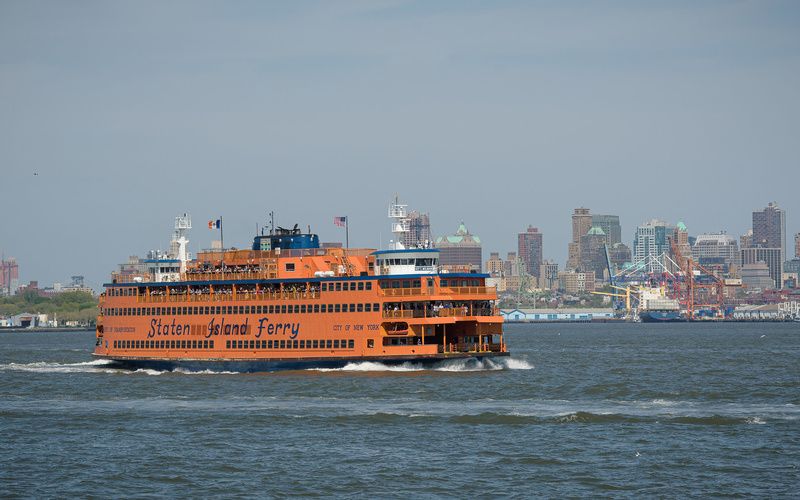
{"type": "Point", "coordinates": [271, 365]}
{"type": "Point", "coordinates": [660, 316]}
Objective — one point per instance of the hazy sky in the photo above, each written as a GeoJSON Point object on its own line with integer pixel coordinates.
{"type": "Point", "coordinates": [502, 114]}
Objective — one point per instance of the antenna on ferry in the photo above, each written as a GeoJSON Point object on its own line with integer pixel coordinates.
{"type": "Point", "coordinates": [179, 241]}
{"type": "Point", "coordinates": [400, 223]}
{"type": "Point", "coordinates": [272, 222]}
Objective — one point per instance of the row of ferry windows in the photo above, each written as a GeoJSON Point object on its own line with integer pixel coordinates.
{"type": "Point", "coordinates": [163, 344]}
{"type": "Point", "coordinates": [290, 344]}
{"type": "Point", "coordinates": [276, 309]}
{"type": "Point", "coordinates": [345, 286]}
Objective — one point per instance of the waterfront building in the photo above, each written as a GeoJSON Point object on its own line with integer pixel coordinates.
{"type": "Point", "coordinates": [593, 252]}
{"type": "Point", "coordinates": [756, 277]}
{"type": "Point", "coordinates": [651, 240]}
{"type": "Point", "coordinates": [494, 266]}
{"type": "Point", "coordinates": [418, 234]}
{"type": "Point", "coordinates": [28, 320]}
{"type": "Point", "coordinates": [570, 281]}
{"type": "Point", "coordinates": [711, 249]}
{"type": "Point", "coordinates": [9, 276]}
{"type": "Point", "coordinates": [548, 275]}
{"type": "Point", "coordinates": [460, 250]}
{"type": "Point", "coordinates": [771, 257]}
{"type": "Point", "coordinates": [554, 315]}
{"type": "Point", "coordinates": [529, 249]}
{"type": "Point", "coordinates": [610, 226]}
{"type": "Point", "coordinates": [769, 228]}
{"type": "Point", "coordinates": [581, 223]}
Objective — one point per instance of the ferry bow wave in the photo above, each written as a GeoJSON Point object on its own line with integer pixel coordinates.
{"type": "Point", "coordinates": [455, 365]}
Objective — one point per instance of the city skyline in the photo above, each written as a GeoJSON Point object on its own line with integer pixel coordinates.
{"type": "Point", "coordinates": [486, 246]}
{"type": "Point", "coordinates": [118, 117]}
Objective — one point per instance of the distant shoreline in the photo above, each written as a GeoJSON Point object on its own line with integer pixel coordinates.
{"type": "Point", "coordinates": [41, 329]}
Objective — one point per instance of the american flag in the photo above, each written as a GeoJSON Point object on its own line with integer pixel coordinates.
{"type": "Point", "coordinates": [340, 221]}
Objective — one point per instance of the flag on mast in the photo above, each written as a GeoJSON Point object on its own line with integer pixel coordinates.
{"type": "Point", "coordinates": [215, 224]}
{"type": "Point", "coordinates": [342, 222]}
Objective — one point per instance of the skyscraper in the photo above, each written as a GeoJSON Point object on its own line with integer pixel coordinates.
{"type": "Point", "coordinates": [511, 265]}
{"type": "Point", "coordinates": [9, 276]}
{"type": "Point", "coordinates": [419, 230]}
{"type": "Point", "coordinates": [620, 255]}
{"type": "Point", "coordinates": [769, 256]}
{"type": "Point", "coordinates": [769, 228]}
{"type": "Point", "coordinates": [681, 238]}
{"type": "Point", "coordinates": [593, 256]}
{"type": "Point", "coordinates": [529, 249]}
{"type": "Point", "coordinates": [581, 223]}
{"type": "Point", "coordinates": [797, 246]}
{"type": "Point", "coordinates": [652, 239]}
{"type": "Point", "coordinates": [769, 231]}
{"type": "Point", "coordinates": [610, 226]}
{"type": "Point", "coordinates": [716, 248]}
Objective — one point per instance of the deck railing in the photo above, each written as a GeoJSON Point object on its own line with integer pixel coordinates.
{"type": "Point", "coordinates": [231, 275]}
{"type": "Point", "coordinates": [459, 290]}
{"type": "Point", "coordinates": [468, 290]}
{"type": "Point", "coordinates": [402, 292]}
{"type": "Point", "coordinates": [471, 347]}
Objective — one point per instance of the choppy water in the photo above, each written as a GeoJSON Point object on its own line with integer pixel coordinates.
{"type": "Point", "coordinates": [619, 410]}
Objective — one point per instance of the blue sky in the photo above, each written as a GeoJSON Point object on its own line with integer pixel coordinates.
{"type": "Point", "coordinates": [501, 114]}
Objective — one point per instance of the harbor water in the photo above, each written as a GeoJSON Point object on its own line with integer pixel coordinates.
{"type": "Point", "coordinates": [668, 410]}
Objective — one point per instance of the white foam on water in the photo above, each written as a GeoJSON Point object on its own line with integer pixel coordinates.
{"type": "Point", "coordinates": [663, 402]}
{"type": "Point", "coordinates": [183, 371]}
{"type": "Point", "coordinates": [517, 364]}
{"type": "Point", "coordinates": [371, 366]}
{"type": "Point", "coordinates": [98, 366]}
{"type": "Point", "coordinates": [454, 365]}
{"type": "Point", "coordinates": [755, 421]}
{"type": "Point", "coordinates": [94, 366]}
{"type": "Point", "coordinates": [149, 371]}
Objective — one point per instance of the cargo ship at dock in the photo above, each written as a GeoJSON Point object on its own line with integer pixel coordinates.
{"type": "Point", "coordinates": [656, 307]}
{"type": "Point", "coordinates": [287, 303]}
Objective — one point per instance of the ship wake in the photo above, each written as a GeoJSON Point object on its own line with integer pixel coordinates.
{"type": "Point", "coordinates": [95, 366]}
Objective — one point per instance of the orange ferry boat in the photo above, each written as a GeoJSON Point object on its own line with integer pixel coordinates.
{"type": "Point", "coordinates": [288, 304]}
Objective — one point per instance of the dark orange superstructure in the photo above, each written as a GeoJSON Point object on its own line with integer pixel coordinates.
{"type": "Point", "coordinates": [253, 310]}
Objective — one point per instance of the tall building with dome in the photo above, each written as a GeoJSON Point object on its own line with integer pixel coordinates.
{"type": "Point", "coordinates": [462, 249]}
